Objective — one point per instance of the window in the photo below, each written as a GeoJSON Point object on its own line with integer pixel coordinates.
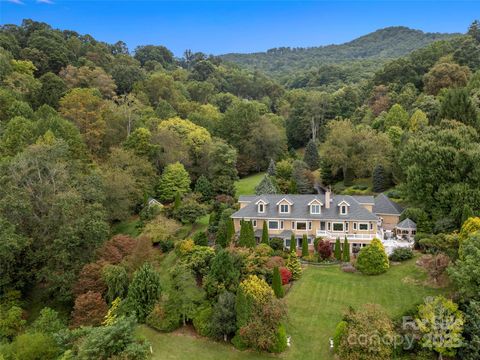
{"type": "Point", "coordinates": [309, 240]}
{"type": "Point", "coordinates": [293, 225]}
{"type": "Point", "coordinates": [363, 226]}
{"type": "Point", "coordinates": [261, 208]}
{"type": "Point", "coordinates": [273, 225]}
{"type": "Point", "coordinates": [287, 243]}
{"type": "Point", "coordinates": [371, 226]}
{"type": "Point", "coordinates": [346, 226]}
{"type": "Point", "coordinates": [322, 225]}
{"type": "Point", "coordinates": [354, 226]}
{"type": "Point", "coordinates": [254, 223]}
{"type": "Point", "coordinates": [337, 226]}
{"type": "Point", "coordinates": [284, 209]}
{"type": "Point", "coordinates": [314, 209]}
{"type": "Point", "coordinates": [301, 225]}
{"type": "Point", "coordinates": [309, 225]}
{"type": "Point", "coordinates": [329, 227]}
{"type": "Point", "coordinates": [281, 225]}
{"type": "Point", "coordinates": [343, 209]}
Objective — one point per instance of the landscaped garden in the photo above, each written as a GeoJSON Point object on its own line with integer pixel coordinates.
{"type": "Point", "coordinates": [316, 303]}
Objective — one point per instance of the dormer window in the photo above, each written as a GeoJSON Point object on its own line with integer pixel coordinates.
{"type": "Point", "coordinates": [314, 209]}
{"type": "Point", "coordinates": [284, 208]}
{"type": "Point", "coordinates": [343, 207]}
{"type": "Point", "coordinates": [315, 206]}
{"type": "Point", "coordinates": [261, 208]}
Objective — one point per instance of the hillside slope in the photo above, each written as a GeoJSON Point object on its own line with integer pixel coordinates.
{"type": "Point", "coordinates": [383, 44]}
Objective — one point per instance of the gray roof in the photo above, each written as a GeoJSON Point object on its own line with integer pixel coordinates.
{"type": "Point", "coordinates": [383, 205]}
{"type": "Point", "coordinates": [301, 210]}
{"type": "Point", "coordinates": [364, 199]}
{"type": "Point", "coordinates": [407, 224]}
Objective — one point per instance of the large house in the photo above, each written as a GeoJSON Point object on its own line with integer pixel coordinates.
{"type": "Point", "coordinates": [329, 216]}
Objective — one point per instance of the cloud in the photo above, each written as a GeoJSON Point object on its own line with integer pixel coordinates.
{"type": "Point", "coordinates": [45, 2]}
{"type": "Point", "coordinates": [18, 2]}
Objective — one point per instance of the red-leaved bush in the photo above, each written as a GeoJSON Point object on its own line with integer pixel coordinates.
{"type": "Point", "coordinates": [90, 279]}
{"type": "Point", "coordinates": [324, 249]}
{"type": "Point", "coordinates": [115, 249]}
{"type": "Point", "coordinates": [286, 275]}
{"type": "Point", "coordinates": [89, 310]}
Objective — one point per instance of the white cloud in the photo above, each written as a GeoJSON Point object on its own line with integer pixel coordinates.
{"type": "Point", "coordinates": [45, 1]}
{"type": "Point", "coordinates": [18, 2]}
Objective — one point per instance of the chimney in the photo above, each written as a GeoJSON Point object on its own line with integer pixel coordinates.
{"type": "Point", "coordinates": [328, 193]}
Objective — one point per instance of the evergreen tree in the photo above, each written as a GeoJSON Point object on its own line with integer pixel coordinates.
{"type": "Point", "coordinates": [266, 186]}
{"type": "Point", "coordinates": [277, 283]}
{"type": "Point", "coordinates": [272, 169]}
{"type": "Point", "coordinates": [243, 308]}
{"type": "Point", "coordinates": [346, 250]}
{"type": "Point", "coordinates": [311, 157]}
{"type": "Point", "coordinates": [177, 202]}
{"type": "Point", "coordinates": [379, 179]}
{"type": "Point", "coordinates": [348, 176]}
{"type": "Point", "coordinates": [338, 250]}
{"type": "Point", "coordinates": [301, 178]}
{"type": "Point", "coordinates": [223, 320]}
{"type": "Point", "coordinates": [293, 264]}
{"type": "Point", "coordinates": [204, 187]}
{"type": "Point", "coordinates": [304, 246]}
{"type": "Point", "coordinates": [372, 259]}
{"type": "Point", "coordinates": [226, 229]}
{"type": "Point", "coordinates": [265, 238]}
{"type": "Point", "coordinates": [293, 244]}
{"type": "Point", "coordinates": [247, 235]}
{"type": "Point", "coordinates": [457, 105]}
{"type": "Point", "coordinates": [223, 274]}
{"type": "Point", "coordinates": [174, 180]}
{"type": "Point", "coordinates": [144, 291]}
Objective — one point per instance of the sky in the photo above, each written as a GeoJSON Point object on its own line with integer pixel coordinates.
{"type": "Point", "coordinates": [218, 27]}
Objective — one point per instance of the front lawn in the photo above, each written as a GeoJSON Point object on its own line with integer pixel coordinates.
{"type": "Point", "coordinates": [315, 305]}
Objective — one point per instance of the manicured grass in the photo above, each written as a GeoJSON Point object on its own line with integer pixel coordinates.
{"type": "Point", "coordinates": [246, 186]}
{"type": "Point", "coordinates": [315, 305]}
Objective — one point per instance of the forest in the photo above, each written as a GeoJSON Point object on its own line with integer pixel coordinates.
{"type": "Point", "coordinates": [94, 136]}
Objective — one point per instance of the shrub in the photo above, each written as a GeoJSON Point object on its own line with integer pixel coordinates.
{"type": "Point", "coordinates": [401, 254]}
{"type": "Point", "coordinates": [166, 245]}
{"type": "Point", "coordinates": [161, 228]}
{"type": "Point", "coordinates": [277, 284]}
{"type": "Point", "coordinates": [163, 318]}
{"type": "Point", "coordinates": [286, 275]}
{"type": "Point", "coordinates": [338, 250]}
{"type": "Point", "coordinates": [184, 247]}
{"type": "Point", "coordinates": [115, 249]}
{"type": "Point", "coordinates": [238, 343]}
{"type": "Point", "coordinates": [293, 264]}
{"type": "Point", "coordinates": [372, 259]}
{"type": "Point", "coordinates": [144, 291]}
{"type": "Point", "coordinates": [304, 246]}
{"type": "Point", "coordinates": [31, 346]}
{"type": "Point", "coordinates": [200, 238]}
{"type": "Point", "coordinates": [280, 344]}
{"type": "Point", "coordinates": [275, 261]}
{"type": "Point", "coordinates": [340, 331]}
{"type": "Point", "coordinates": [324, 249]}
{"type": "Point", "coordinates": [201, 321]}
{"type": "Point", "coordinates": [90, 279]}
{"type": "Point", "coordinates": [90, 309]}
{"type": "Point", "coordinates": [276, 243]}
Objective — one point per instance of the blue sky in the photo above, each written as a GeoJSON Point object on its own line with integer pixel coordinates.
{"type": "Point", "coordinates": [238, 26]}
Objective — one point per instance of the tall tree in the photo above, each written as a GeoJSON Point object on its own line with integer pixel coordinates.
{"type": "Point", "coordinates": [144, 291]}
{"type": "Point", "coordinates": [266, 186]}
{"type": "Point", "coordinates": [311, 157]}
{"type": "Point", "coordinates": [174, 180]}
{"type": "Point", "coordinates": [277, 283]}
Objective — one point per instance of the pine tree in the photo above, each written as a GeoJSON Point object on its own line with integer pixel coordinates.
{"type": "Point", "coordinates": [277, 283]}
{"type": "Point", "coordinates": [178, 201]}
{"type": "Point", "coordinates": [204, 187]}
{"type": "Point", "coordinates": [311, 157]}
{"type": "Point", "coordinates": [293, 244]}
{"type": "Point", "coordinates": [266, 186]}
{"type": "Point", "coordinates": [379, 179]}
{"type": "Point", "coordinates": [346, 250]}
{"type": "Point", "coordinates": [247, 235]}
{"type": "Point", "coordinates": [272, 168]}
{"type": "Point", "coordinates": [251, 242]}
{"type": "Point", "coordinates": [458, 105]}
{"type": "Point", "coordinates": [265, 238]}
{"type": "Point", "coordinates": [304, 246]}
{"type": "Point", "coordinates": [144, 291]}
{"type": "Point", "coordinates": [301, 177]}
{"type": "Point", "coordinates": [293, 264]}
{"type": "Point", "coordinates": [338, 250]}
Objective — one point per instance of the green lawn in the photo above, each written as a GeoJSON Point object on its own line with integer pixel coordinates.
{"type": "Point", "coordinates": [246, 185]}
{"type": "Point", "coordinates": [127, 227]}
{"type": "Point", "coordinates": [315, 305]}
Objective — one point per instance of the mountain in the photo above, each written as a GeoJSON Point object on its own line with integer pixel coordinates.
{"type": "Point", "coordinates": [383, 44]}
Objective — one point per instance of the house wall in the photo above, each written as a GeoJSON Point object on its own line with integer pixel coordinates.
{"type": "Point", "coordinates": [369, 207]}
{"type": "Point", "coordinates": [389, 221]}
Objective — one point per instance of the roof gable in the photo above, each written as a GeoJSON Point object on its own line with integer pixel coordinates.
{"type": "Point", "coordinates": [383, 205]}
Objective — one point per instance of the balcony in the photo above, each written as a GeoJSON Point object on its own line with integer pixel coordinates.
{"type": "Point", "coordinates": [340, 234]}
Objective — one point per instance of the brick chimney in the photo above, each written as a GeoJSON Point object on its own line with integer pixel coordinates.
{"type": "Point", "coordinates": [328, 194]}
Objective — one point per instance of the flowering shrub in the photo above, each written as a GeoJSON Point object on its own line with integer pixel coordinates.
{"type": "Point", "coordinates": [286, 275]}
{"type": "Point", "coordinates": [324, 249]}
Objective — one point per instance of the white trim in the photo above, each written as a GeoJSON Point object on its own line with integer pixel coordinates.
{"type": "Point", "coordinates": [303, 222]}
{"type": "Point", "coordinates": [262, 204]}
{"type": "Point", "coordinates": [319, 209]}
{"type": "Point", "coordinates": [363, 223]}
{"type": "Point", "coordinates": [315, 200]}
{"type": "Point", "coordinates": [343, 202]}
{"type": "Point", "coordinates": [261, 201]}
{"type": "Point", "coordinates": [278, 224]}
{"type": "Point", "coordinates": [254, 223]}
{"type": "Point", "coordinates": [283, 212]}
{"type": "Point", "coordinates": [286, 200]}
{"type": "Point", "coordinates": [343, 226]}
{"type": "Point", "coordinates": [342, 207]}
